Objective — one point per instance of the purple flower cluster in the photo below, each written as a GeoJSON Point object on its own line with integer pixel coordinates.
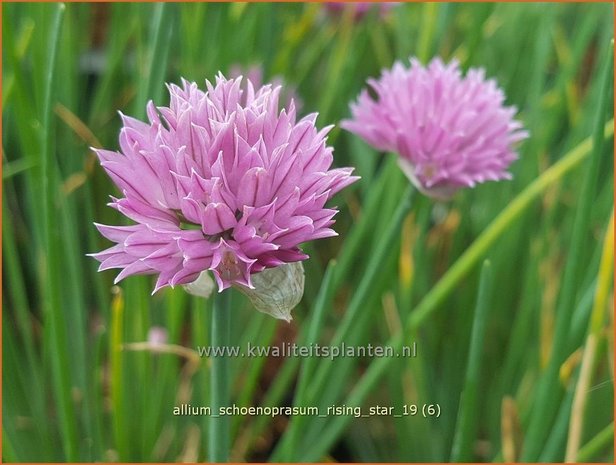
{"type": "Point", "coordinates": [450, 131]}
{"type": "Point", "coordinates": [223, 180]}
{"type": "Point", "coordinates": [220, 180]}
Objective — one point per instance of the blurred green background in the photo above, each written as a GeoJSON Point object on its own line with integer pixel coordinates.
{"type": "Point", "coordinates": [535, 335]}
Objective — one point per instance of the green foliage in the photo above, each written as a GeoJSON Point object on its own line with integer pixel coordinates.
{"type": "Point", "coordinates": [499, 355]}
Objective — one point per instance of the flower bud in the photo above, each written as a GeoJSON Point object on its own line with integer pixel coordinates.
{"type": "Point", "coordinates": [202, 286]}
{"type": "Point", "coordinates": [277, 290]}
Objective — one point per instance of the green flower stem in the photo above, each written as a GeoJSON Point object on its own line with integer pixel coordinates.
{"type": "Point", "coordinates": [116, 358]}
{"type": "Point", "coordinates": [153, 71]}
{"type": "Point", "coordinates": [597, 445]}
{"type": "Point", "coordinates": [54, 318]}
{"type": "Point", "coordinates": [355, 310]}
{"type": "Point", "coordinates": [8, 448]}
{"type": "Point", "coordinates": [552, 450]}
{"type": "Point", "coordinates": [356, 238]}
{"type": "Point", "coordinates": [219, 443]}
{"type": "Point", "coordinates": [308, 366]}
{"type": "Point", "coordinates": [545, 400]}
{"type": "Point", "coordinates": [467, 413]}
{"type": "Point", "coordinates": [17, 290]}
{"type": "Point", "coordinates": [252, 371]}
{"type": "Point", "coordinates": [595, 328]}
{"type": "Point", "coordinates": [336, 64]}
{"type": "Point", "coordinates": [426, 39]}
{"type": "Point", "coordinates": [459, 270]}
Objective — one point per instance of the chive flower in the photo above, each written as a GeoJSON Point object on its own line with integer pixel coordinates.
{"type": "Point", "coordinates": [450, 131]}
{"type": "Point", "coordinates": [220, 180]}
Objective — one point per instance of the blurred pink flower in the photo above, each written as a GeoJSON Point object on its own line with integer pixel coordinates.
{"type": "Point", "coordinates": [254, 74]}
{"type": "Point", "coordinates": [157, 336]}
{"type": "Point", "coordinates": [450, 131]}
{"type": "Point", "coordinates": [360, 9]}
{"type": "Point", "coordinates": [219, 180]}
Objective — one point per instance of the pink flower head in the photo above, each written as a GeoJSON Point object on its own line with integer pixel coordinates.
{"type": "Point", "coordinates": [450, 131]}
{"type": "Point", "coordinates": [219, 180]}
